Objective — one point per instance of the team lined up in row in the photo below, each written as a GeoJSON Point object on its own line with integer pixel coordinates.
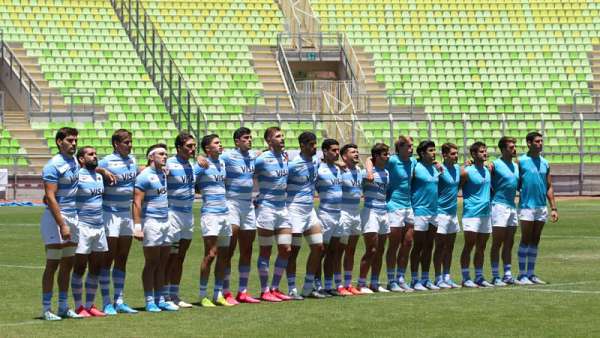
{"type": "Point", "coordinates": [94, 209]}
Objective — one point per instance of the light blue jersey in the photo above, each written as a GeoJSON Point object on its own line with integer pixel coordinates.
{"type": "Point", "coordinates": [534, 186]}
{"type": "Point", "coordinates": [272, 175]}
{"type": "Point", "coordinates": [211, 183]}
{"type": "Point", "coordinates": [329, 186]}
{"type": "Point", "coordinates": [352, 181]}
{"type": "Point", "coordinates": [476, 192]}
{"type": "Point", "coordinates": [302, 176]}
{"type": "Point", "coordinates": [375, 191]}
{"type": "Point", "coordinates": [401, 173]}
{"type": "Point", "coordinates": [239, 180]}
{"type": "Point", "coordinates": [64, 172]}
{"type": "Point", "coordinates": [154, 185]}
{"type": "Point", "coordinates": [448, 190]}
{"type": "Point", "coordinates": [119, 197]}
{"type": "Point", "coordinates": [180, 185]}
{"type": "Point", "coordinates": [89, 198]}
{"type": "Point", "coordinates": [424, 190]}
{"type": "Point", "coordinates": [505, 182]}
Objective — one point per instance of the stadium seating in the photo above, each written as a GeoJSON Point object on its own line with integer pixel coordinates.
{"type": "Point", "coordinates": [10, 150]}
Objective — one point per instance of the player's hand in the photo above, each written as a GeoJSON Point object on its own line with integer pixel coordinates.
{"type": "Point", "coordinates": [468, 163]}
{"type": "Point", "coordinates": [257, 153]}
{"type": "Point", "coordinates": [202, 162]}
{"type": "Point", "coordinates": [65, 232]}
{"type": "Point", "coordinates": [554, 216]}
{"type": "Point", "coordinates": [341, 164]}
{"type": "Point", "coordinates": [110, 178]}
{"type": "Point", "coordinates": [439, 167]}
{"type": "Point", "coordinates": [139, 235]}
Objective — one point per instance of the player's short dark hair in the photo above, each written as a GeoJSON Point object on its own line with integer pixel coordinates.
{"type": "Point", "coordinates": [423, 146]}
{"type": "Point", "coordinates": [327, 143]}
{"type": "Point", "coordinates": [378, 149]}
{"type": "Point", "coordinates": [402, 140]}
{"type": "Point", "coordinates": [269, 132]}
{"type": "Point", "coordinates": [241, 131]}
{"type": "Point", "coordinates": [81, 151]}
{"type": "Point", "coordinates": [446, 147]}
{"type": "Point", "coordinates": [505, 140]}
{"type": "Point", "coordinates": [532, 135]}
{"type": "Point", "coordinates": [182, 138]}
{"type": "Point", "coordinates": [306, 137]}
{"type": "Point", "coordinates": [206, 140]}
{"type": "Point", "coordinates": [119, 135]}
{"type": "Point", "coordinates": [347, 147]}
{"type": "Point", "coordinates": [154, 146]}
{"type": "Point", "coordinates": [63, 132]}
{"type": "Point", "coordinates": [474, 148]}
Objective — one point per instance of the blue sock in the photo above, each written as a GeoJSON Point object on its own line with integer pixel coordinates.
{"type": "Point", "coordinates": [478, 273]}
{"type": "Point", "coordinates": [495, 270]}
{"type": "Point", "coordinates": [91, 286]}
{"type": "Point", "coordinates": [104, 280]}
{"type": "Point", "coordinates": [203, 286]}
{"type": "Point", "coordinates": [309, 280]}
{"type": "Point", "coordinates": [149, 297]}
{"type": "Point", "coordinates": [507, 268]}
{"type": "Point", "coordinates": [347, 278]}
{"type": "Point", "coordinates": [374, 280]}
{"type": "Point", "coordinates": [76, 289]}
{"type": "Point", "coordinates": [226, 278]}
{"type": "Point", "coordinates": [439, 278]}
{"type": "Point", "coordinates": [400, 274]}
{"type": "Point", "coordinates": [174, 292]}
{"type": "Point", "coordinates": [118, 277]}
{"type": "Point", "coordinates": [328, 283]}
{"type": "Point", "coordinates": [291, 279]}
{"type": "Point", "coordinates": [424, 276]}
{"type": "Point", "coordinates": [280, 265]}
{"type": "Point", "coordinates": [522, 253]}
{"type": "Point", "coordinates": [318, 283]}
{"type": "Point", "coordinates": [531, 258]}
{"type": "Point", "coordinates": [414, 276]}
{"type": "Point", "coordinates": [218, 288]}
{"type": "Point", "coordinates": [337, 279]}
{"type": "Point", "coordinates": [263, 272]}
{"type": "Point", "coordinates": [244, 271]}
{"type": "Point", "coordinates": [164, 292]}
{"type": "Point", "coordinates": [465, 274]}
{"type": "Point", "coordinates": [62, 301]}
{"type": "Point", "coordinates": [157, 296]}
{"type": "Point", "coordinates": [391, 275]}
{"type": "Point", "coordinates": [362, 282]}
{"type": "Point", "coordinates": [47, 301]}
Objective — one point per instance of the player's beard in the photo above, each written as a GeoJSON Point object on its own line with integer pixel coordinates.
{"type": "Point", "coordinates": [91, 166]}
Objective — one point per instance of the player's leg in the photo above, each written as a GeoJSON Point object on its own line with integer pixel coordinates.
{"type": "Point", "coordinates": [175, 270]}
{"type": "Point", "coordinates": [151, 263]}
{"type": "Point", "coordinates": [450, 239]}
{"type": "Point", "coordinates": [283, 235]}
{"type": "Point", "coordinates": [119, 229]}
{"type": "Point", "coordinates": [441, 241]}
{"type": "Point", "coordinates": [265, 242]}
{"type": "Point", "coordinates": [377, 263]}
{"type": "Point", "coordinates": [532, 253]}
{"type": "Point", "coordinates": [391, 257]}
{"type": "Point", "coordinates": [53, 254]}
{"type": "Point", "coordinates": [507, 248]}
{"type": "Point", "coordinates": [96, 260]}
{"type": "Point", "coordinates": [406, 244]}
{"type": "Point", "coordinates": [210, 253]}
{"type": "Point", "coordinates": [420, 238]}
{"type": "Point", "coordinates": [299, 222]}
{"type": "Point", "coordinates": [426, 257]}
{"type": "Point", "coordinates": [331, 266]}
{"type": "Point", "coordinates": [314, 237]}
{"type": "Point", "coordinates": [245, 239]}
{"type": "Point", "coordinates": [479, 258]}
{"type": "Point", "coordinates": [235, 230]}
{"type": "Point", "coordinates": [80, 262]}
{"type": "Point", "coordinates": [527, 235]}
{"type": "Point", "coordinates": [348, 263]}
{"type": "Point", "coordinates": [223, 249]}
{"type": "Point", "coordinates": [370, 239]}
{"type": "Point", "coordinates": [119, 272]}
{"type": "Point", "coordinates": [465, 258]}
{"type": "Point", "coordinates": [64, 277]}
{"type": "Point", "coordinates": [338, 266]}
{"type": "Point", "coordinates": [500, 215]}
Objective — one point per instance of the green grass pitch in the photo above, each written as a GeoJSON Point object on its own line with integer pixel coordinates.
{"type": "Point", "coordinates": [568, 306]}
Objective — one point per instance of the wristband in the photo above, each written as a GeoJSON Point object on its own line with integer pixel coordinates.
{"type": "Point", "coordinates": [554, 209]}
{"type": "Point", "coordinates": [137, 227]}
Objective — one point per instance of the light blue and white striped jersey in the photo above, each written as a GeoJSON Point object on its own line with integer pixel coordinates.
{"type": "Point", "coordinates": [89, 198]}
{"type": "Point", "coordinates": [302, 176]}
{"type": "Point", "coordinates": [329, 186]}
{"type": "Point", "coordinates": [424, 190]}
{"type": "Point", "coordinates": [272, 174]}
{"type": "Point", "coordinates": [64, 172]}
{"type": "Point", "coordinates": [240, 174]}
{"type": "Point", "coordinates": [180, 184]}
{"type": "Point", "coordinates": [375, 191]}
{"type": "Point", "coordinates": [119, 197]}
{"type": "Point", "coordinates": [154, 185]}
{"type": "Point", "coordinates": [211, 183]}
{"type": "Point", "coordinates": [477, 192]}
{"type": "Point", "coordinates": [352, 181]}
{"type": "Point", "coordinates": [534, 184]}
{"type": "Point", "coordinates": [401, 173]}
{"type": "Point", "coordinates": [505, 182]}
{"type": "Point", "coordinates": [448, 190]}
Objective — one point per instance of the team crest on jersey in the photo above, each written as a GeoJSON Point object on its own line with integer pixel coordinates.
{"type": "Point", "coordinates": [175, 166]}
{"type": "Point", "coordinates": [116, 164]}
{"type": "Point", "coordinates": [86, 179]}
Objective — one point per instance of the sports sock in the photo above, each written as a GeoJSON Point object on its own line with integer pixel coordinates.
{"type": "Point", "coordinates": [328, 283]}
{"type": "Point", "coordinates": [157, 296]}
{"type": "Point", "coordinates": [507, 268]}
{"type": "Point", "coordinates": [424, 275]}
{"type": "Point", "coordinates": [76, 289]}
{"type": "Point", "coordinates": [391, 275]}
{"type": "Point", "coordinates": [104, 280]}
{"type": "Point", "coordinates": [400, 274]}
{"type": "Point", "coordinates": [280, 265]}
{"type": "Point", "coordinates": [522, 253]}
{"type": "Point", "coordinates": [218, 288]}
{"type": "Point", "coordinates": [362, 282]}
{"type": "Point", "coordinates": [465, 274]}
{"type": "Point", "coordinates": [203, 287]}
{"type": "Point", "coordinates": [446, 271]}
{"type": "Point", "coordinates": [167, 297]}
{"type": "Point", "coordinates": [446, 276]}
{"type": "Point", "coordinates": [495, 270]}
{"type": "Point", "coordinates": [439, 278]}
{"type": "Point", "coordinates": [226, 278]}
{"type": "Point", "coordinates": [374, 280]}
{"type": "Point", "coordinates": [291, 279]}
{"type": "Point", "coordinates": [531, 258]}
{"type": "Point", "coordinates": [414, 276]}
{"type": "Point", "coordinates": [174, 292]}
{"type": "Point", "coordinates": [62, 301]}
{"type": "Point", "coordinates": [149, 297]}
{"type": "Point", "coordinates": [164, 293]}
{"type": "Point", "coordinates": [478, 273]}
{"type": "Point", "coordinates": [263, 272]}
{"type": "Point", "coordinates": [118, 277]}
{"type": "Point", "coordinates": [318, 283]}
{"type": "Point", "coordinates": [91, 285]}
{"type": "Point", "coordinates": [244, 271]}
{"type": "Point", "coordinates": [347, 278]}
{"type": "Point", "coordinates": [47, 301]}
{"type": "Point", "coordinates": [309, 280]}
{"type": "Point", "coordinates": [337, 279]}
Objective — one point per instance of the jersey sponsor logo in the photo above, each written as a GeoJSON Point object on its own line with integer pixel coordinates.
{"type": "Point", "coordinates": [335, 181]}
{"type": "Point", "coordinates": [130, 176]}
{"type": "Point", "coordinates": [161, 190]}
{"type": "Point", "coordinates": [187, 179]}
{"type": "Point", "coordinates": [219, 178]}
{"type": "Point", "coordinates": [281, 172]}
{"type": "Point", "coordinates": [96, 191]}
{"type": "Point", "coordinates": [247, 169]}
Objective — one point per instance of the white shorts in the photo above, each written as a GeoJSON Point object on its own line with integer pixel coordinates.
{"type": "Point", "coordinates": [399, 218]}
{"type": "Point", "coordinates": [330, 225]}
{"type": "Point", "coordinates": [537, 214]}
{"type": "Point", "coordinates": [50, 231]}
{"type": "Point", "coordinates": [350, 222]}
{"type": "Point", "coordinates": [91, 239]}
{"type": "Point", "coordinates": [242, 214]}
{"type": "Point", "coordinates": [215, 225]}
{"type": "Point", "coordinates": [504, 216]}
{"type": "Point", "coordinates": [374, 221]}
{"type": "Point", "coordinates": [446, 224]}
{"type": "Point", "coordinates": [181, 226]}
{"type": "Point", "coordinates": [118, 224]}
{"type": "Point", "coordinates": [268, 218]}
{"type": "Point", "coordinates": [481, 225]}
{"type": "Point", "coordinates": [422, 223]}
{"type": "Point", "coordinates": [301, 219]}
{"type": "Point", "coordinates": [156, 232]}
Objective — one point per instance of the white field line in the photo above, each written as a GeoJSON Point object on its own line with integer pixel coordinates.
{"type": "Point", "coordinates": [586, 292]}
{"type": "Point", "coordinates": [21, 266]}
{"type": "Point", "coordinates": [29, 322]}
